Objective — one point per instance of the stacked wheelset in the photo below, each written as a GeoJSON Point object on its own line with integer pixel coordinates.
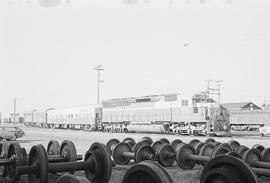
{"type": "Point", "coordinates": [150, 158]}
{"type": "Point", "coordinates": [39, 163]}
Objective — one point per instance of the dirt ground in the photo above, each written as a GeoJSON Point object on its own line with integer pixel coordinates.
{"type": "Point", "coordinates": [84, 139]}
{"type": "Point", "coordinates": [178, 175]}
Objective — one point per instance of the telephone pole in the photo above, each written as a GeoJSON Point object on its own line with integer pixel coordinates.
{"type": "Point", "coordinates": [98, 68]}
{"type": "Point", "coordinates": [218, 84]}
{"type": "Point", "coordinates": [208, 89]}
{"type": "Point", "coordinates": [213, 90]}
{"type": "Point", "coordinates": [14, 110]}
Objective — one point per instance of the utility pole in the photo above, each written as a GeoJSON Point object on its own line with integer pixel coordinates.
{"type": "Point", "coordinates": [98, 68]}
{"type": "Point", "coordinates": [14, 110]}
{"type": "Point", "coordinates": [214, 91]}
{"type": "Point", "coordinates": [219, 83]}
{"type": "Point", "coordinates": [208, 89]}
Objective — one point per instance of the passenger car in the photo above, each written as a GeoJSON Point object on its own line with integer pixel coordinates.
{"type": "Point", "coordinates": [10, 133]}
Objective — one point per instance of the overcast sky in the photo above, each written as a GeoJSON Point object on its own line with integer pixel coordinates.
{"type": "Point", "coordinates": [47, 54]}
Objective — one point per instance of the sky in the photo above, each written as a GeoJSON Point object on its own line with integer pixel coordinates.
{"type": "Point", "coordinates": [47, 53]}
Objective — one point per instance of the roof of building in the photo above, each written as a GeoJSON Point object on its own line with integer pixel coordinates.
{"type": "Point", "coordinates": [238, 106]}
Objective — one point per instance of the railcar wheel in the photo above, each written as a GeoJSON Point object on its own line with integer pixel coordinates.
{"type": "Point", "coordinates": [147, 172]}
{"type": "Point", "coordinates": [227, 169]}
{"type": "Point", "coordinates": [149, 140]}
{"type": "Point", "coordinates": [234, 144]}
{"type": "Point", "coordinates": [53, 148]}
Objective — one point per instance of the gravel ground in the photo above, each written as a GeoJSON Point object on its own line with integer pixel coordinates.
{"type": "Point", "coordinates": [84, 139]}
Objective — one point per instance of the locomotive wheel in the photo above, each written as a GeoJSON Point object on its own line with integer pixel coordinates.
{"type": "Point", "coordinates": [4, 146]}
{"type": "Point", "coordinates": [164, 140]}
{"type": "Point", "coordinates": [38, 154]}
{"type": "Point", "coordinates": [226, 145]}
{"type": "Point", "coordinates": [68, 150]}
{"type": "Point", "coordinates": [103, 163]}
{"type": "Point", "coordinates": [266, 155]}
{"type": "Point", "coordinates": [175, 143]}
{"type": "Point", "coordinates": [227, 169]}
{"type": "Point", "coordinates": [117, 153]}
{"type": "Point", "coordinates": [156, 145]}
{"type": "Point", "coordinates": [252, 155]}
{"type": "Point", "coordinates": [234, 144]}
{"type": "Point", "coordinates": [97, 165]}
{"type": "Point", "coordinates": [241, 150]}
{"type": "Point", "coordinates": [147, 172]}
{"type": "Point", "coordinates": [198, 147]}
{"type": "Point", "coordinates": [219, 150]}
{"type": "Point", "coordinates": [258, 147]}
{"type": "Point", "coordinates": [194, 142]}
{"type": "Point", "coordinates": [129, 141]}
{"type": "Point", "coordinates": [209, 140]}
{"type": "Point", "coordinates": [143, 152]}
{"type": "Point", "coordinates": [110, 143]}
{"type": "Point", "coordinates": [163, 153]}
{"type": "Point", "coordinates": [53, 148]}
{"type": "Point", "coordinates": [138, 145]}
{"type": "Point", "coordinates": [14, 153]}
{"type": "Point", "coordinates": [147, 139]}
{"type": "Point", "coordinates": [182, 156]}
{"type": "Point", "coordinates": [23, 156]}
{"type": "Point", "coordinates": [206, 150]}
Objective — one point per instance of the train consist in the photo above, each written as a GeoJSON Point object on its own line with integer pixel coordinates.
{"type": "Point", "coordinates": [155, 113]}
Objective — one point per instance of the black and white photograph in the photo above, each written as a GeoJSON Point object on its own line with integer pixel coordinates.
{"type": "Point", "coordinates": [134, 91]}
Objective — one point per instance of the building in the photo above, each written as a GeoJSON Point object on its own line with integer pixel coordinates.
{"type": "Point", "coordinates": [241, 106]}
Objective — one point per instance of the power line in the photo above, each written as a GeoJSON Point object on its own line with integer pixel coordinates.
{"type": "Point", "coordinates": [213, 91]}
